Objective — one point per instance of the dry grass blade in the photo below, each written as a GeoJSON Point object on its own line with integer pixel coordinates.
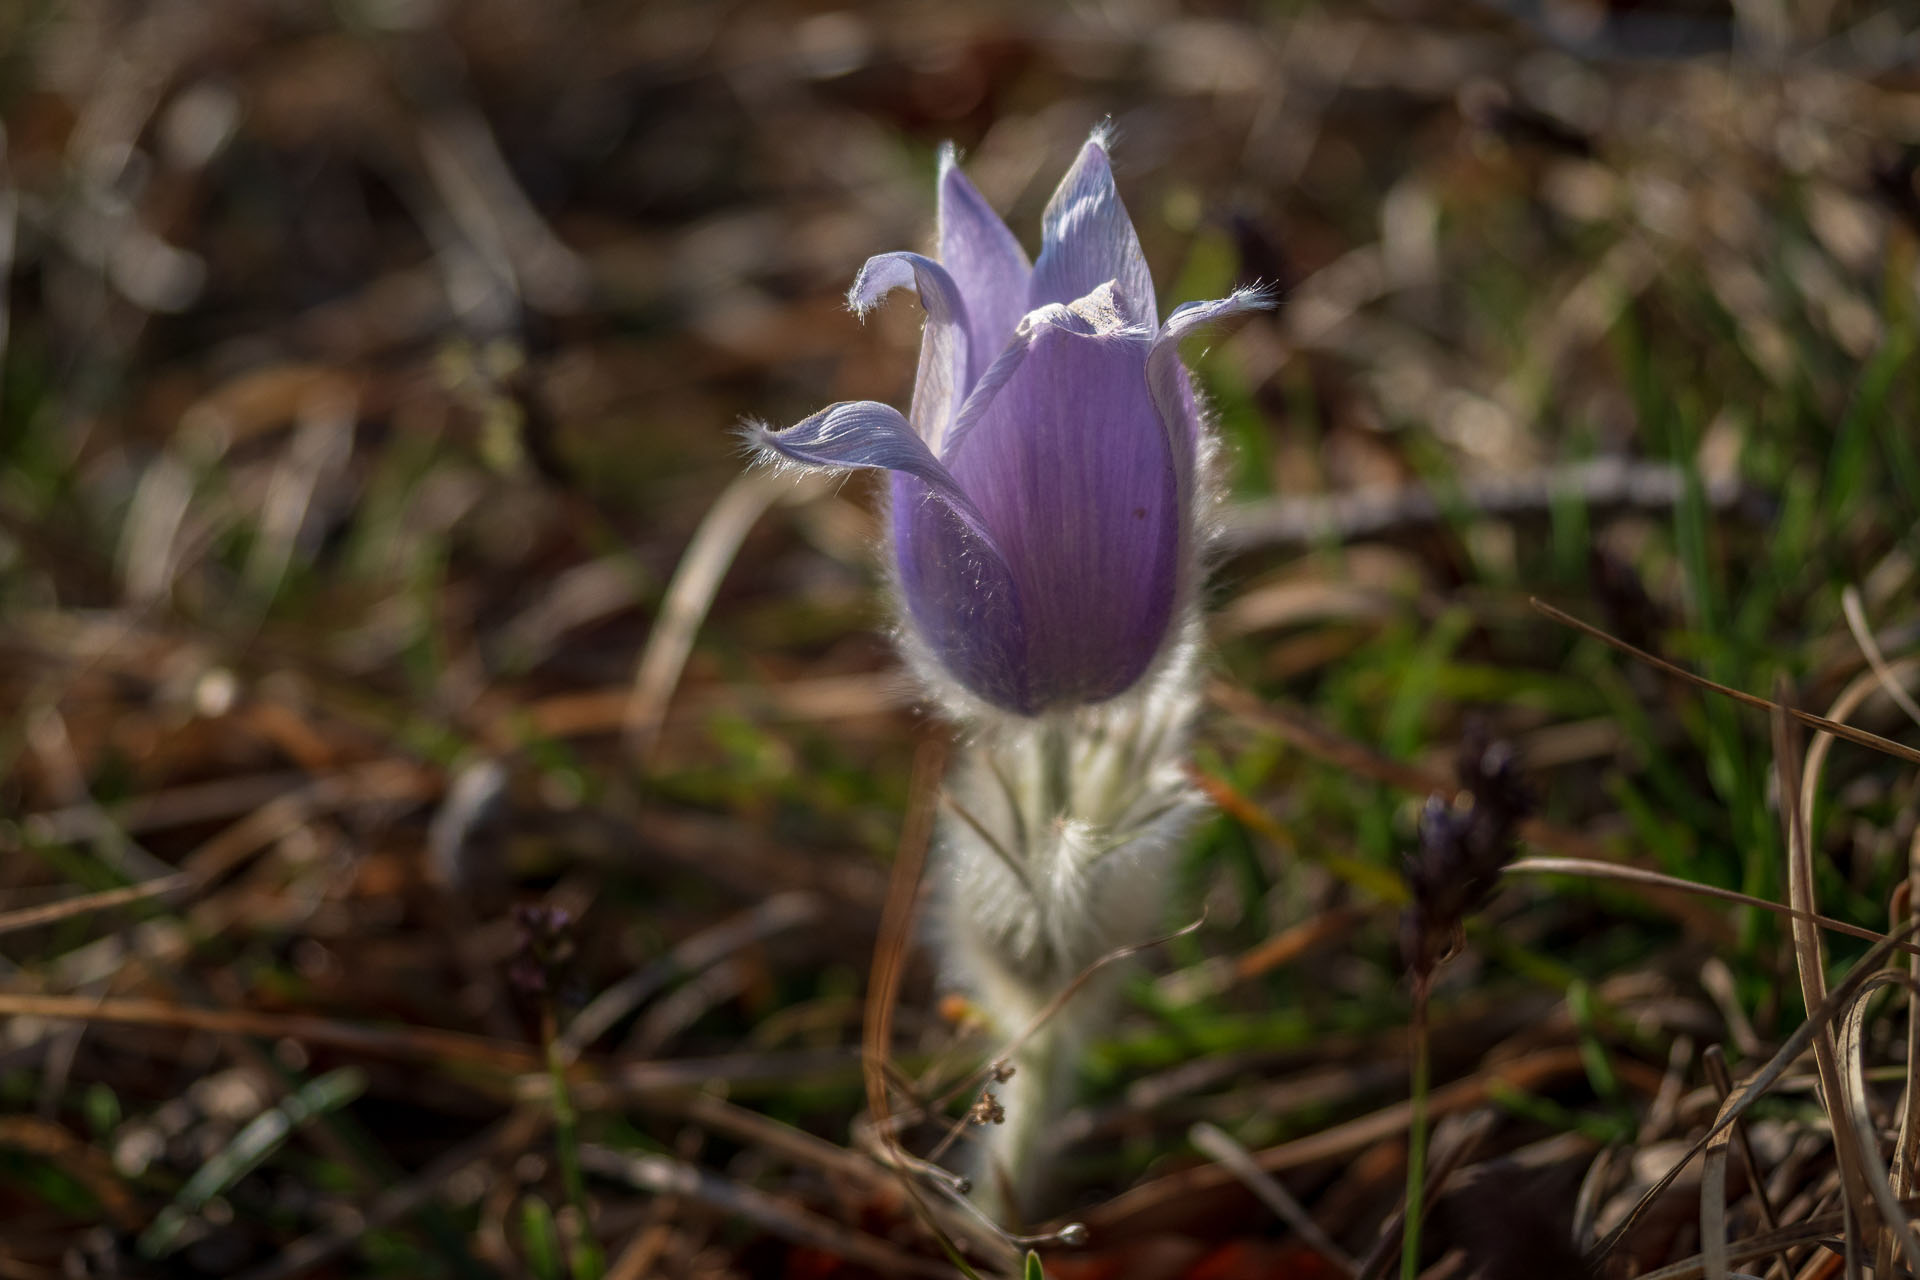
{"type": "Point", "coordinates": [512, 1134]}
{"type": "Point", "coordinates": [1322, 743]}
{"type": "Point", "coordinates": [428, 1043]}
{"type": "Point", "coordinates": [1893, 1219]}
{"type": "Point", "coordinates": [1713, 1196]}
{"type": "Point", "coordinates": [1715, 1062]}
{"type": "Point", "coordinates": [664, 1175]}
{"type": "Point", "coordinates": [51, 912]}
{"type": "Point", "coordinates": [1764, 1079]}
{"type": "Point", "coordinates": [883, 987]}
{"type": "Point", "coordinates": [1661, 880]}
{"type": "Point", "coordinates": [1060, 998]}
{"type": "Point", "coordinates": [1810, 958]}
{"type": "Point", "coordinates": [1907, 1145]}
{"type": "Point", "coordinates": [689, 594]}
{"type": "Point", "coordinates": [1834, 727]}
{"type": "Point", "coordinates": [1814, 1230]}
{"type": "Point", "coordinates": [1531, 1073]}
{"type": "Point", "coordinates": [780, 912]}
{"type": "Point", "coordinates": [1870, 649]}
{"type": "Point", "coordinates": [1216, 1144]}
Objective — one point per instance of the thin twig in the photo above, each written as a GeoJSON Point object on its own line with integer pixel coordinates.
{"type": "Point", "coordinates": [1617, 484]}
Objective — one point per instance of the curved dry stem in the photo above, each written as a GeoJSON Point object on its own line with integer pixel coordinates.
{"type": "Point", "coordinates": [1870, 649]}
{"type": "Point", "coordinates": [1823, 723]}
{"type": "Point", "coordinates": [1661, 880]}
{"type": "Point", "coordinates": [1809, 957]}
{"type": "Point", "coordinates": [689, 594]}
{"type": "Point", "coordinates": [1713, 1197]}
{"type": "Point", "coordinates": [1744, 1095]}
{"type": "Point", "coordinates": [1893, 1218]}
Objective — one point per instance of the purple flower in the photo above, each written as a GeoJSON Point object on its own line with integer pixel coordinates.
{"type": "Point", "coordinates": [1044, 482]}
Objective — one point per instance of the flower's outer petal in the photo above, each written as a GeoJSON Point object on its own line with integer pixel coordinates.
{"type": "Point", "coordinates": [1167, 377]}
{"type": "Point", "coordinates": [1087, 239]}
{"type": "Point", "coordinates": [961, 602]}
{"type": "Point", "coordinates": [942, 381]}
{"type": "Point", "coordinates": [986, 262]}
{"type": "Point", "coordinates": [1073, 474]}
{"type": "Point", "coordinates": [865, 433]}
{"type": "Point", "coordinates": [962, 606]}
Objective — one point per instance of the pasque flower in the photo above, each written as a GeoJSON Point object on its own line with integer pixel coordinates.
{"type": "Point", "coordinates": [1047, 492]}
{"type": "Point", "coordinates": [1045, 480]}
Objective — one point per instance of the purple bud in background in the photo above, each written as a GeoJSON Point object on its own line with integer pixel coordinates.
{"type": "Point", "coordinates": [1045, 481]}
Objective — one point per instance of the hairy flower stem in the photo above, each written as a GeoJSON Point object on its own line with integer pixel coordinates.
{"type": "Point", "coordinates": [1054, 849]}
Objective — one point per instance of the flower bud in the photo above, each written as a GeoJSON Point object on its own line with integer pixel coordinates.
{"type": "Point", "coordinates": [1045, 481]}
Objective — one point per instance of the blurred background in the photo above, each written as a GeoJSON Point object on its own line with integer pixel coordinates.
{"type": "Point", "coordinates": [448, 809]}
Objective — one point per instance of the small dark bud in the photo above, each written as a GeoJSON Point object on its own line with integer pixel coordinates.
{"type": "Point", "coordinates": [544, 949]}
{"type": "Point", "coordinates": [1462, 848]}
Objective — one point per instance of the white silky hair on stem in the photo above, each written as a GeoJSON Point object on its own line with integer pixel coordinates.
{"type": "Point", "coordinates": [1054, 847]}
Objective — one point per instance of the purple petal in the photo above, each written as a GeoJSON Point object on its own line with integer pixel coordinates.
{"type": "Point", "coordinates": [1087, 240]}
{"type": "Point", "coordinates": [962, 605]}
{"type": "Point", "coordinates": [942, 381]}
{"type": "Point", "coordinates": [1167, 378]}
{"type": "Point", "coordinates": [1073, 474]}
{"type": "Point", "coordinates": [867, 434]}
{"type": "Point", "coordinates": [986, 262]}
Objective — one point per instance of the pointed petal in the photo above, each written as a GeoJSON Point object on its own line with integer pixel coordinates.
{"type": "Point", "coordinates": [1167, 378]}
{"type": "Point", "coordinates": [986, 262]}
{"type": "Point", "coordinates": [1073, 473]}
{"type": "Point", "coordinates": [1087, 240]}
{"type": "Point", "coordinates": [942, 381]}
{"type": "Point", "coordinates": [867, 434]}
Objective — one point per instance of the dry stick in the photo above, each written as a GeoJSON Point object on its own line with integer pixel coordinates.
{"type": "Point", "coordinates": [49, 913]}
{"type": "Point", "coordinates": [1605, 483]}
{"type": "Point", "coordinates": [1216, 1144]}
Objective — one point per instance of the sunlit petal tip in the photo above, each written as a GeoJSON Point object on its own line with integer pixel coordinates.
{"type": "Point", "coordinates": [1087, 238]}
{"type": "Point", "coordinates": [1192, 316]}
{"type": "Point", "coordinates": [879, 276]}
